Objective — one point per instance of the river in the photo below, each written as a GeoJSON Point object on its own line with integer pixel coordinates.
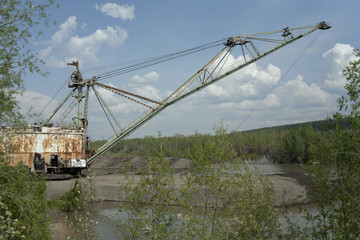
{"type": "Point", "coordinates": [105, 213]}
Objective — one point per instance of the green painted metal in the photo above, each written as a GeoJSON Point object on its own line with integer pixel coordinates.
{"type": "Point", "coordinates": [208, 76]}
{"type": "Point", "coordinates": [59, 106]}
{"type": "Point", "coordinates": [106, 109]}
{"type": "Point", "coordinates": [67, 112]}
{"type": "Point", "coordinates": [85, 122]}
{"type": "Point", "coordinates": [80, 110]}
{"type": "Point", "coordinates": [210, 73]}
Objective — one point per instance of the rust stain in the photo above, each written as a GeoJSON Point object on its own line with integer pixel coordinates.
{"type": "Point", "coordinates": [67, 143]}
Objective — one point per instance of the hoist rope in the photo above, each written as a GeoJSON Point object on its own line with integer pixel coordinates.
{"type": "Point", "coordinates": [139, 65]}
{"type": "Point", "coordinates": [275, 85]}
{"type": "Point", "coordinates": [157, 60]}
{"type": "Point", "coordinates": [39, 115]}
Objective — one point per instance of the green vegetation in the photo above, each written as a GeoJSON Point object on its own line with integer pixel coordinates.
{"type": "Point", "coordinates": [335, 168]}
{"type": "Point", "coordinates": [77, 205]}
{"type": "Point", "coordinates": [213, 204]}
{"type": "Point", "coordinates": [23, 206]}
{"type": "Point", "coordinates": [219, 199]}
{"type": "Point", "coordinates": [75, 198]}
{"type": "Point", "coordinates": [285, 144]}
{"type": "Point", "coordinates": [17, 19]}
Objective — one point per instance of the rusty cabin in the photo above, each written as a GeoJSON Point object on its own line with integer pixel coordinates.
{"type": "Point", "coordinates": [67, 143]}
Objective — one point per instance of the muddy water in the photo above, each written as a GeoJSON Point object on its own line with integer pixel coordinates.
{"type": "Point", "coordinates": [106, 213]}
{"type": "Point", "coordinates": [271, 169]}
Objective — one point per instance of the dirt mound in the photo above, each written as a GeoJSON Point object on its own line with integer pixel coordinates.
{"type": "Point", "coordinates": [116, 164]}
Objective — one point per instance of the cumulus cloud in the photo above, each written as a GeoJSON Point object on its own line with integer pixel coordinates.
{"type": "Point", "coordinates": [65, 31]}
{"type": "Point", "coordinates": [121, 107]}
{"type": "Point", "coordinates": [36, 102]}
{"type": "Point", "coordinates": [297, 93]}
{"type": "Point", "coordinates": [147, 78]}
{"type": "Point", "coordinates": [108, 96]}
{"type": "Point", "coordinates": [336, 59]}
{"type": "Point", "coordinates": [125, 12]}
{"type": "Point", "coordinates": [253, 97]}
{"type": "Point", "coordinates": [148, 91]}
{"type": "Point", "coordinates": [256, 95]}
{"type": "Point", "coordinates": [252, 82]}
{"type": "Point", "coordinates": [271, 101]}
{"type": "Point", "coordinates": [65, 46]}
{"type": "Point", "coordinates": [128, 109]}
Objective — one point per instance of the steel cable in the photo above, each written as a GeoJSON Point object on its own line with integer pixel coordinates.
{"type": "Point", "coordinates": [275, 85]}
{"type": "Point", "coordinates": [157, 60]}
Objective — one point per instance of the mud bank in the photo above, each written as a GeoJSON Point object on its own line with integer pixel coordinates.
{"type": "Point", "coordinates": [290, 187]}
{"type": "Point", "coordinates": [287, 190]}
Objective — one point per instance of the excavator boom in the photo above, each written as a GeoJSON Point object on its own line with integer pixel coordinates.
{"type": "Point", "coordinates": [216, 69]}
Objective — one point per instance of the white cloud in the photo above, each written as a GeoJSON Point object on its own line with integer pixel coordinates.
{"type": "Point", "coordinates": [336, 59]}
{"type": "Point", "coordinates": [147, 78]}
{"type": "Point", "coordinates": [65, 31]}
{"type": "Point", "coordinates": [122, 109]}
{"type": "Point", "coordinates": [125, 12]}
{"type": "Point", "coordinates": [105, 94]}
{"type": "Point", "coordinates": [148, 91]}
{"type": "Point", "coordinates": [217, 91]}
{"type": "Point", "coordinates": [125, 108]}
{"type": "Point", "coordinates": [251, 82]}
{"type": "Point", "coordinates": [65, 47]}
{"type": "Point", "coordinates": [87, 47]}
{"type": "Point", "coordinates": [296, 93]}
{"type": "Point", "coordinates": [36, 102]}
{"type": "Point", "coordinates": [271, 101]}
{"type": "Point", "coordinates": [250, 98]}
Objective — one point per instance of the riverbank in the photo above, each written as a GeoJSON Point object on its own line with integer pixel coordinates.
{"type": "Point", "coordinates": [291, 186]}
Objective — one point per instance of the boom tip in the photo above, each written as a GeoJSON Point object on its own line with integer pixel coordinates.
{"type": "Point", "coordinates": [324, 25]}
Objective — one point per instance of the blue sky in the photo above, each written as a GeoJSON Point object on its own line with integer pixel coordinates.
{"type": "Point", "coordinates": [307, 73]}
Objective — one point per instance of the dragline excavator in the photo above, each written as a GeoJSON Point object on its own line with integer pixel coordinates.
{"type": "Point", "coordinates": [251, 48]}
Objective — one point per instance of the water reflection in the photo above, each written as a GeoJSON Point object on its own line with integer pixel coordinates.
{"type": "Point", "coordinates": [106, 213]}
{"type": "Point", "coordinates": [272, 169]}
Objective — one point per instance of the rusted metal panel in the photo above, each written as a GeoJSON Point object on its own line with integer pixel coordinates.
{"type": "Point", "coordinates": [65, 142]}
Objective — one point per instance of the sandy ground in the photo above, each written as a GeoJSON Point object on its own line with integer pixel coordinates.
{"type": "Point", "coordinates": [287, 190]}
{"type": "Point", "coordinates": [290, 190]}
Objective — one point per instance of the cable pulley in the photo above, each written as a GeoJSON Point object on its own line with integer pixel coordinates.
{"type": "Point", "coordinates": [220, 66]}
{"type": "Point", "coordinates": [76, 77]}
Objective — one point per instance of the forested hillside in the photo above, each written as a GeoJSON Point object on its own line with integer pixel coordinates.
{"type": "Point", "coordinates": [282, 144]}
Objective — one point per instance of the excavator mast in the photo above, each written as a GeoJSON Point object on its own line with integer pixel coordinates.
{"type": "Point", "coordinates": [250, 46]}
